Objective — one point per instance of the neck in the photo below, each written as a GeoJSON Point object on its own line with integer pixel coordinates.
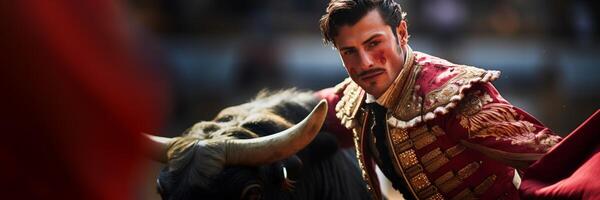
{"type": "Point", "coordinates": [392, 91]}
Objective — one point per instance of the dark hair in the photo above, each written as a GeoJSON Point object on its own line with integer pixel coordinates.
{"type": "Point", "coordinates": [348, 12]}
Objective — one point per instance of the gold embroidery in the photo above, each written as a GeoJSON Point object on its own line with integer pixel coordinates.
{"type": "Point", "coordinates": [349, 104]}
{"type": "Point", "coordinates": [422, 136]}
{"type": "Point", "coordinates": [431, 155]}
{"type": "Point", "coordinates": [436, 159]}
{"type": "Point", "coordinates": [484, 119]}
{"type": "Point", "coordinates": [486, 184]}
{"type": "Point", "coordinates": [436, 196]}
{"type": "Point", "coordinates": [442, 94]}
{"type": "Point", "coordinates": [455, 150]}
{"type": "Point", "coordinates": [414, 170]}
{"type": "Point", "coordinates": [408, 158]}
{"type": "Point", "coordinates": [408, 107]}
{"type": "Point", "coordinates": [468, 170]}
{"type": "Point", "coordinates": [420, 181]}
{"type": "Point", "coordinates": [449, 181]}
{"type": "Point", "coordinates": [398, 135]}
{"type": "Point", "coordinates": [450, 185]}
{"type": "Point", "coordinates": [427, 192]}
{"type": "Point", "coordinates": [424, 140]}
{"type": "Point", "coordinates": [418, 131]}
{"type": "Point", "coordinates": [404, 146]}
{"type": "Point", "coordinates": [436, 163]}
{"type": "Point", "coordinates": [358, 143]}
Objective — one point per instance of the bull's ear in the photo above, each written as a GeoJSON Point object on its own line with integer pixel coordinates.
{"type": "Point", "coordinates": [268, 149]}
{"type": "Point", "coordinates": [158, 147]}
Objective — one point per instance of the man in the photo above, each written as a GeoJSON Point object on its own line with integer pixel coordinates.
{"type": "Point", "coordinates": [437, 130]}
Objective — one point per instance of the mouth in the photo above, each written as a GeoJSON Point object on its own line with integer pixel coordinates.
{"type": "Point", "coordinates": [371, 74]}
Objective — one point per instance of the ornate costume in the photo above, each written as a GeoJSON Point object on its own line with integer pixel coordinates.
{"type": "Point", "coordinates": [440, 131]}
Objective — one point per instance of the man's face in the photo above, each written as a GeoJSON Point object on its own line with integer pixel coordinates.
{"type": "Point", "coordinates": [370, 52]}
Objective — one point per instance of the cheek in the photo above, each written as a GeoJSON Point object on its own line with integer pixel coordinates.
{"type": "Point", "coordinates": [351, 71]}
{"type": "Point", "coordinates": [380, 57]}
{"type": "Point", "coordinates": [348, 63]}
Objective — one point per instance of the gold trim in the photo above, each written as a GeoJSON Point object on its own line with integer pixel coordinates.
{"type": "Point", "coordinates": [455, 150]}
{"type": "Point", "coordinates": [420, 181]}
{"type": "Point", "coordinates": [436, 196]}
{"type": "Point", "coordinates": [423, 140]}
{"type": "Point", "coordinates": [404, 146]}
{"type": "Point", "coordinates": [408, 111]}
{"type": "Point", "coordinates": [468, 170]}
{"type": "Point", "coordinates": [358, 142]}
{"type": "Point", "coordinates": [485, 185]}
{"type": "Point", "coordinates": [399, 170]}
{"type": "Point", "coordinates": [450, 185]}
{"type": "Point", "coordinates": [408, 158]}
{"type": "Point", "coordinates": [398, 135]}
{"type": "Point", "coordinates": [414, 170]}
{"type": "Point", "coordinates": [349, 104]}
{"type": "Point", "coordinates": [428, 157]}
{"type": "Point", "coordinates": [436, 163]}
{"type": "Point", "coordinates": [418, 131]}
{"type": "Point", "coordinates": [428, 192]}
{"type": "Point", "coordinates": [449, 181]}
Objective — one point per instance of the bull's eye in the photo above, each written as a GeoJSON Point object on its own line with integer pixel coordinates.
{"type": "Point", "coordinates": [225, 118]}
{"type": "Point", "coordinates": [262, 127]}
{"type": "Point", "coordinates": [252, 192]}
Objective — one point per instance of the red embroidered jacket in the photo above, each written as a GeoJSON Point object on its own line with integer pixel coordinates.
{"type": "Point", "coordinates": [449, 134]}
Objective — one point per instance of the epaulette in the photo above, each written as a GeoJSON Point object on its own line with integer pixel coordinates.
{"type": "Point", "coordinates": [349, 104]}
{"type": "Point", "coordinates": [437, 89]}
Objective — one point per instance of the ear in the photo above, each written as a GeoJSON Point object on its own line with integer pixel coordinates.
{"type": "Point", "coordinates": [402, 33]}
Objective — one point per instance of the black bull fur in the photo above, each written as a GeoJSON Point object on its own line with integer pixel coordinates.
{"type": "Point", "coordinates": [319, 171]}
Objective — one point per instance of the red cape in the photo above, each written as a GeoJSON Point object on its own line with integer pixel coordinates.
{"type": "Point", "coordinates": [570, 170]}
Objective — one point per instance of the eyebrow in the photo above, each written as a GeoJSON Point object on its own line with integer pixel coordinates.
{"type": "Point", "coordinates": [371, 38]}
{"type": "Point", "coordinates": [365, 42]}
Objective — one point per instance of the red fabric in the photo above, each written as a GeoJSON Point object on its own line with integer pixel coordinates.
{"type": "Point", "coordinates": [74, 102]}
{"type": "Point", "coordinates": [570, 170]}
{"type": "Point", "coordinates": [522, 139]}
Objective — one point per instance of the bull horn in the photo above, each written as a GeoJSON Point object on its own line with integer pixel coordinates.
{"type": "Point", "coordinates": [268, 149]}
{"type": "Point", "coordinates": [158, 147]}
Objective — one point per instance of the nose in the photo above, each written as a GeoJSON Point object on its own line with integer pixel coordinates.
{"type": "Point", "coordinates": [365, 60]}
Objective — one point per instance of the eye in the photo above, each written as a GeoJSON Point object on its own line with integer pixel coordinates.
{"type": "Point", "coordinates": [349, 52]}
{"type": "Point", "coordinates": [263, 127]}
{"type": "Point", "coordinates": [252, 192]}
{"type": "Point", "coordinates": [373, 43]}
{"type": "Point", "coordinates": [225, 118]}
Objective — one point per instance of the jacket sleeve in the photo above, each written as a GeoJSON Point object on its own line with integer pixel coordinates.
{"type": "Point", "coordinates": [486, 122]}
{"type": "Point", "coordinates": [332, 124]}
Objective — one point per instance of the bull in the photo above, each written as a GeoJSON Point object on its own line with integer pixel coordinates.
{"type": "Point", "coordinates": [254, 151]}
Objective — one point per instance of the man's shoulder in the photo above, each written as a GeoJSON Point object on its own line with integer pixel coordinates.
{"type": "Point", "coordinates": [436, 74]}
{"type": "Point", "coordinates": [437, 89]}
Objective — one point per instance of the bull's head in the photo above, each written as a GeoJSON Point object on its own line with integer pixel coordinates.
{"type": "Point", "coordinates": [247, 150]}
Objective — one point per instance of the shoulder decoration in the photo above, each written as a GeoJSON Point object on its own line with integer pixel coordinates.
{"type": "Point", "coordinates": [433, 87]}
{"type": "Point", "coordinates": [350, 102]}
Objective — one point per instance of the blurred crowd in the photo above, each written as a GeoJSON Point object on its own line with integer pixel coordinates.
{"type": "Point", "coordinates": [223, 52]}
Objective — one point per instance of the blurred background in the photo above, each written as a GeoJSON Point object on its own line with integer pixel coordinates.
{"type": "Point", "coordinates": [221, 53]}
